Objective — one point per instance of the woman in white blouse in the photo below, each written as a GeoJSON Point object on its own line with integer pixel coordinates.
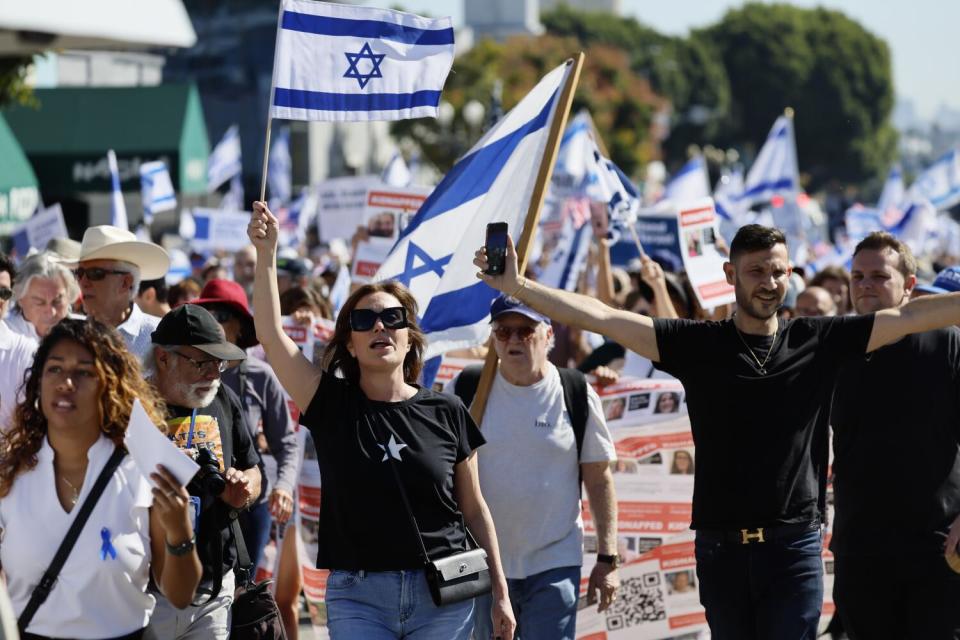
{"type": "Point", "coordinates": [77, 402]}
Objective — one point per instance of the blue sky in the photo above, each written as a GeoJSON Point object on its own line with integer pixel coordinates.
{"type": "Point", "coordinates": [923, 35]}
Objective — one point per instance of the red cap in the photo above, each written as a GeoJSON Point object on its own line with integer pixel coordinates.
{"type": "Point", "coordinates": [231, 294]}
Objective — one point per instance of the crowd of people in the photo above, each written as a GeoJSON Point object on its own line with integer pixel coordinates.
{"type": "Point", "coordinates": [870, 355]}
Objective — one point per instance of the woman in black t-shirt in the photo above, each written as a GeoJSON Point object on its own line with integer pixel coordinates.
{"type": "Point", "coordinates": [372, 426]}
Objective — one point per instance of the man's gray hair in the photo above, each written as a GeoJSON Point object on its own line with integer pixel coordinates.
{"type": "Point", "coordinates": [44, 265]}
{"type": "Point", "coordinates": [149, 362]}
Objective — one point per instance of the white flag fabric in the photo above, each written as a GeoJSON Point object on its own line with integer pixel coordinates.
{"type": "Point", "coordinates": [493, 183]}
{"type": "Point", "coordinates": [118, 209]}
{"type": "Point", "coordinates": [568, 258]}
{"type": "Point", "coordinates": [233, 199]}
{"type": "Point", "coordinates": [156, 189]}
{"type": "Point", "coordinates": [396, 173]}
{"type": "Point", "coordinates": [893, 192]}
{"type": "Point", "coordinates": [338, 62]}
{"type": "Point", "coordinates": [280, 169]}
{"type": "Point", "coordinates": [940, 182]}
{"type": "Point", "coordinates": [775, 170]}
{"type": "Point", "coordinates": [225, 159]}
{"type": "Point", "coordinates": [689, 184]}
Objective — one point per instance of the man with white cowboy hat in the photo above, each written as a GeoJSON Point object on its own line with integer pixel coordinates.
{"type": "Point", "coordinates": [111, 264]}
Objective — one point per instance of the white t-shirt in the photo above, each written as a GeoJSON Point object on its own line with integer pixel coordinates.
{"type": "Point", "coordinates": [93, 597]}
{"type": "Point", "coordinates": [529, 474]}
{"type": "Point", "coordinates": [16, 356]}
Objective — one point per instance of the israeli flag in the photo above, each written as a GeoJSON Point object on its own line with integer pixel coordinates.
{"type": "Point", "coordinates": [726, 200]}
{"type": "Point", "coordinates": [690, 183]}
{"type": "Point", "coordinates": [569, 258]}
{"type": "Point", "coordinates": [775, 170]}
{"type": "Point", "coordinates": [918, 226]}
{"type": "Point", "coordinates": [156, 189]}
{"type": "Point", "coordinates": [396, 173]}
{"type": "Point", "coordinates": [893, 191]}
{"type": "Point", "coordinates": [493, 182]}
{"type": "Point", "coordinates": [225, 161]}
{"type": "Point", "coordinates": [607, 183]}
{"type": "Point", "coordinates": [279, 169]}
{"type": "Point", "coordinates": [118, 209]}
{"type": "Point", "coordinates": [940, 182]}
{"type": "Point", "coordinates": [233, 199]}
{"type": "Point", "coordinates": [337, 62]}
{"type": "Point", "coordinates": [575, 159]}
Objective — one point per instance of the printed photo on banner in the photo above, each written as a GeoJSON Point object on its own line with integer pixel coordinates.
{"type": "Point", "coordinates": [702, 259]}
{"type": "Point", "coordinates": [342, 202]}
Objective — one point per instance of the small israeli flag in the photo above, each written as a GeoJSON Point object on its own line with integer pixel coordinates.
{"type": "Point", "coordinates": [775, 171]}
{"type": "Point", "coordinates": [118, 210]}
{"type": "Point", "coordinates": [689, 184]}
{"type": "Point", "coordinates": [338, 62]}
{"type": "Point", "coordinates": [225, 160]}
{"type": "Point", "coordinates": [156, 189]}
{"type": "Point", "coordinates": [893, 191]}
{"type": "Point", "coordinates": [940, 182]}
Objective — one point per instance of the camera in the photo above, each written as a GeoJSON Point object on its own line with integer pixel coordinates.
{"type": "Point", "coordinates": [208, 479]}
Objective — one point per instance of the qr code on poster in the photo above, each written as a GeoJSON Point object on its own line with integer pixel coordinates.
{"type": "Point", "coordinates": [639, 600]}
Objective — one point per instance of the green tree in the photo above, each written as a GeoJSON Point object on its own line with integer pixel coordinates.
{"type": "Point", "coordinates": [684, 70]}
{"type": "Point", "coordinates": [13, 88]}
{"type": "Point", "coordinates": [622, 104]}
{"type": "Point", "coordinates": [832, 71]}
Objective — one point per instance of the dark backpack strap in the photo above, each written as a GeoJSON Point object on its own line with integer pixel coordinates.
{"type": "Point", "coordinates": [42, 591]}
{"type": "Point", "coordinates": [575, 400]}
{"type": "Point", "coordinates": [465, 386]}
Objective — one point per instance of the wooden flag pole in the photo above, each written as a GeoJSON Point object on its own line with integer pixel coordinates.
{"type": "Point", "coordinates": [479, 405]}
{"type": "Point", "coordinates": [266, 157]}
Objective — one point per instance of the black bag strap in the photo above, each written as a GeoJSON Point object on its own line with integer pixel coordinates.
{"type": "Point", "coordinates": [42, 591]}
{"type": "Point", "coordinates": [246, 571]}
{"type": "Point", "coordinates": [465, 386]}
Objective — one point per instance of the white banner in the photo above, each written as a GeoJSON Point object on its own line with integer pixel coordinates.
{"type": "Point", "coordinates": [702, 260]}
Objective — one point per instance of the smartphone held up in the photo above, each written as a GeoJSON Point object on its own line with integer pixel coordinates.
{"type": "Point", "coordinates": [496, 248]}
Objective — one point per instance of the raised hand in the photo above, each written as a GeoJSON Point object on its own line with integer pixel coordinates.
{"type": "Point", "coordinates": [264, 229]}
{"type": "Point", "coordinates": [510, 281]}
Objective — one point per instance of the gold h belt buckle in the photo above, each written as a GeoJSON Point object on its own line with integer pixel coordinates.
{"type": "Point", "coordinates": [747, 537]}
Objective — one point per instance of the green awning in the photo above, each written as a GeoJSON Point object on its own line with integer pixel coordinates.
{"type": "Point", "coordinates": [67, 137]}
{"type": "Point", "coordinates": [18, 184]}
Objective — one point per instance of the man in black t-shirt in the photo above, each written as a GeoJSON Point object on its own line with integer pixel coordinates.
{"type": "Point", "coordinates": [757, 389]}
{"type": "Point", "coordinates": [894, 513]}
{"type": "Point", "coordinates": [205, 419]}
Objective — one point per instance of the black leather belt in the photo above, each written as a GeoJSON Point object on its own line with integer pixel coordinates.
{"type": "Point", "coordinates": [758, 535]}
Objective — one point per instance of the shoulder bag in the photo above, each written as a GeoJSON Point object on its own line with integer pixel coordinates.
{"type": "Point", "coordinates": [42, 591]}
{"type": "Point", "coordinates": [255, 615]}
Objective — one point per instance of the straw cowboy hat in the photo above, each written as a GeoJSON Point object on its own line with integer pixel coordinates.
{"type": "Point", "coordinates": [106, 242]}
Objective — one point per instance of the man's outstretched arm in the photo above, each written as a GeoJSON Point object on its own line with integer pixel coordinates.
{"type": "Point", "coordinates": [923, 314]}
{"type": "Point", "coordinates": [632, 330]}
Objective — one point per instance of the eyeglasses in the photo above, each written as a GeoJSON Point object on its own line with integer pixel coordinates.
{"type": "Point", "coordinates": [391, 317]}
{"type": "Point", "coordinates": [504, 334]}
{"type": "Point", "coordinates": [95, 274]}
{"type": "Point", "coordinates": [204, 366]}
{"type": "Point", "coordinates": [6, 293]}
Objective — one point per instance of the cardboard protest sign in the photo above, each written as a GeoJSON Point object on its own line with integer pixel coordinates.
{"type": "Point", "coordinates": [40, 229]}
{"type": "Point", "coordinates": [219, 230]}
{"type": "Point", "coordinates": [386, 212]}
{"type": "Point", "coordinates": [702, 260]}
{"type": "Point", "coordinates": [342, 202]}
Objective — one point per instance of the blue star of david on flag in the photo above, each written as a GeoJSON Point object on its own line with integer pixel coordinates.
{"type": "Point", "coordinates": [366, 53]}
{"type": "Point", "coordinates": [429, 264]}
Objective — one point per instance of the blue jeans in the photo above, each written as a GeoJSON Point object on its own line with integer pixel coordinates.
{"type": "Point", "coordinates": [761, 591]}
{"type": "Point", "coordinates": [255, 525]}
{"type": "Point", "coordinates": [544, 604]}
{"type": "Point", "coordinates": [381, 605]}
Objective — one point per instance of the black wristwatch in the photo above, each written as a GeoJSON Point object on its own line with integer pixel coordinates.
{"type": "Point", "coordinates": [183, 548]}
{"type": "Point", "coordinates": [611, 560]}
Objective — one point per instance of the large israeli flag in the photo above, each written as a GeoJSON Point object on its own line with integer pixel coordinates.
{"type": "Point", "coordinates": [493, 182]}
{"type": "Point", "coordinates": [689, 184]}
{"type": "Point", "coordinates": [775, 170]}
{"type": "Point", "coordinates": [156, 189]}
{"type": "Point", "coordinates": [225, 160]}
{"type": "Point", "coordinates": [940, 182]}
{"type": "Point", "coordinates": [118, 209]}
{"type": "Point", "coordinates": [337, 62]}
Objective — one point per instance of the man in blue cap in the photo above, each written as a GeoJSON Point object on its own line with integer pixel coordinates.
{"type": "Point", "coordinates": [947, 281]}
{"type": "Point", "coordinates": [544, 431]}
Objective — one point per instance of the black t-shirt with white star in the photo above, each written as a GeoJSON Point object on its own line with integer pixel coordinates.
{"type": "Point", "coordinates": [761, 438]}
{"type": "Point", "coordinates": [363, 523]}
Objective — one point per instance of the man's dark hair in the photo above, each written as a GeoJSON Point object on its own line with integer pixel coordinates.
{"type": "Point", "coordinates": [159, 285]}
{"type": "Point", "coordinates": [755, 237]}
{"type": "Point", "coordinates": [6, 264]}
{"type": "Point", "coordinates": [880, 240]}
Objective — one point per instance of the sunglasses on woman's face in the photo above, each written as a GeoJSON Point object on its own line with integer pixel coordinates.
{"type": "Point", "coordinates": [6, 293]}
{"type": "Point", "coordinates": [391, 317]}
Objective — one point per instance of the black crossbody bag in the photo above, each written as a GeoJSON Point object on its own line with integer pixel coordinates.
{"type": "Point", "coordinates": [42, 591]}
{"type": "Point", "coordinates": [457, 577]}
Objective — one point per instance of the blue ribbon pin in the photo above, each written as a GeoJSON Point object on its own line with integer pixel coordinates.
{"type": "Point", "coordinates": [106, 549]}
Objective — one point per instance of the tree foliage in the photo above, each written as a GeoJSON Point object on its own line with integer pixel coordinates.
{"type": "Point", "coordinates": [621, 103]}
{"type": "Point", "coordinates": [832, 71]}
{"type": "Point", "coordinates": [13, 86]}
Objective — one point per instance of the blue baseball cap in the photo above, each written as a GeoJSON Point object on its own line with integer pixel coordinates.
{"type": "Point", "coordinates": [505, 304]}
{"type": "Point", "coordinates": [947, 281]}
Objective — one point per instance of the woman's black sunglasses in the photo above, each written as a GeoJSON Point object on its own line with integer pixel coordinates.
{"type": "Point", "coordinates": [391, 317]}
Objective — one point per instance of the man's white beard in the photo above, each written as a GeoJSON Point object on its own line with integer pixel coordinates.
{"type": "Point", "coordinates": [194, 399]}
